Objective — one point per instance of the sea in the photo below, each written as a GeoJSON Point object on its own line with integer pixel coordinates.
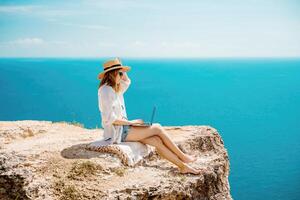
{"type": "Point", "coordinates": [254, 103]}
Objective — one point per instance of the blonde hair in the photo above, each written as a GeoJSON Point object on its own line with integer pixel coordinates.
{"type": "Point", "coordinates": [110, 78]}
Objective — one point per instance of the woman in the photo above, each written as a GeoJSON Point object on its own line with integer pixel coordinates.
{"type": "Point", "coordinates": [117, 128]}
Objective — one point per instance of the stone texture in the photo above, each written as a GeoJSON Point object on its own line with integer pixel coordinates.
{"type": "Point", "coordinates": [47, 160]}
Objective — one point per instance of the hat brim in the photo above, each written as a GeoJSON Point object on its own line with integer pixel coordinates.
{"type": "Point", "coordinates": [123, 68]}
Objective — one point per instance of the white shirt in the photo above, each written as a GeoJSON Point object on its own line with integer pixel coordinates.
{"type": "Point", "coordinates": [112, 107]}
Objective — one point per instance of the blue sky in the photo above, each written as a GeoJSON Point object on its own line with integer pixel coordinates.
{"type": "Point", "coordinates": [138, 28]}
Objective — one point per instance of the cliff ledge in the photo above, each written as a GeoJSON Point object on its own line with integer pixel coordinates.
{"type": "Point", "coordinates": [47, 160]}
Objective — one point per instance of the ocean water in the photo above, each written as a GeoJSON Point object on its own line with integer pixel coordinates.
{"type": "Point", "coordinates": [254, 103]}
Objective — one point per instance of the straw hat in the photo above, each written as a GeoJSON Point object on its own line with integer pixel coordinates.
{"type": "Point", "coordinates": [112, 64]}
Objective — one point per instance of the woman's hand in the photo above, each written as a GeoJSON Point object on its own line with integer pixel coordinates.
{"type": "Point", "coordinates": [124, 77]}
{"type": "Point", "coordinates": [136, 121]}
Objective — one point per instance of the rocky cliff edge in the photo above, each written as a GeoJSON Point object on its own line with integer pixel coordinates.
{"type": "Point", "coordinates": [47, 160]}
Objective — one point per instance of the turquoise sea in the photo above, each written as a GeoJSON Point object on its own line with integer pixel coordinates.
{"type": "Point", "coordinates": [254, 103]}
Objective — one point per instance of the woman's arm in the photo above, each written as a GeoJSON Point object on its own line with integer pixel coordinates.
{"type": "Point", "coordinates": [125, 77]}
{"type": "Point", "coordinates": [128, 122]}
{"type": "Point", "coordinates": [122, 122]}
{"type": "Point", "coordinates": [125, 82]}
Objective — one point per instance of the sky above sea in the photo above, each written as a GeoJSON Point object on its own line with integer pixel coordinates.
{"type": "Point", "coordinates": [131, 28]}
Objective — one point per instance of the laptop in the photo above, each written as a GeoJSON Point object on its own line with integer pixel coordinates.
{"type": "Point", "coordinates": [147, 123]}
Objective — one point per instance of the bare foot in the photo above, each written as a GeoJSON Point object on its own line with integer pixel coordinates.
{"type": "Point", "coordinates": [188, 169]}
{"type": "Point", "coordinates": [189, 159]}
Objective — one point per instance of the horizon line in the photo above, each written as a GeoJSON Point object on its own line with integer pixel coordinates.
{"type": "Point", "coordinates": [142, 57]}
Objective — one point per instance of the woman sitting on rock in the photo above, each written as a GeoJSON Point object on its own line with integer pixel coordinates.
{"type": "Point", "coordinates": [117, 128]}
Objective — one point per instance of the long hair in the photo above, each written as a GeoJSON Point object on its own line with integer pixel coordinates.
{"type": "Point", "coordinates": [110, 79]}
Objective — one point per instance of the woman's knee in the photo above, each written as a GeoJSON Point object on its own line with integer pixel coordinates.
{"type": "Point", "coordinates": [156, 125]}
{"type": "Point", "coordinates": [159, 131]}
{"type": "Point", "coordinates": [157, 128]}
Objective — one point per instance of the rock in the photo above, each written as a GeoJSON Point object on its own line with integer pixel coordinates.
{"type": "Point", "coordinates": [47, 160]}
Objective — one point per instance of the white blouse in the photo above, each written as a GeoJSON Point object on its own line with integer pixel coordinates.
{"type": "Point", "coordinates": [112, 107]}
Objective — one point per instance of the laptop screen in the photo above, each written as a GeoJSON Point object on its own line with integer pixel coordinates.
{"type": "Point", "coordinates": [153, 112]}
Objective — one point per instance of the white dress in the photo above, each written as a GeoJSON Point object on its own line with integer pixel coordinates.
{"type": "Point", "coordinates": [112, 107]}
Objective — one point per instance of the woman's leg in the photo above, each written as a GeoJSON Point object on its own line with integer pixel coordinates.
{"type": "Point", "coordinates": [172, 146]}
{"type": "Point", "coordinates": [138, 133]}
{"type": "Point", "coordinates": [166, 153]}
